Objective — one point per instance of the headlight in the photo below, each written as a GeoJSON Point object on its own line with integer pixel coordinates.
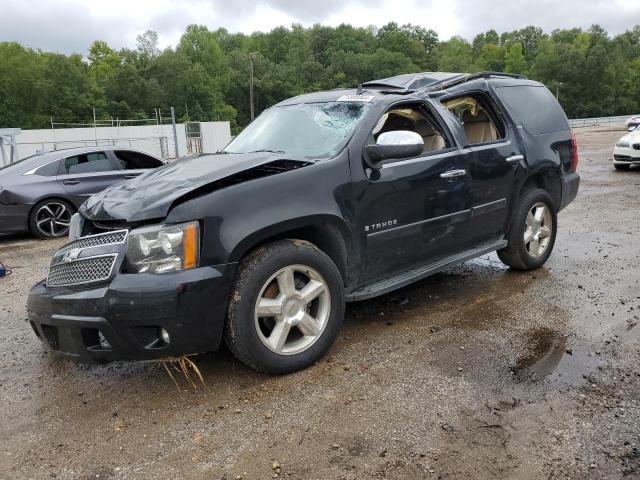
{"type": "Point", "coordinates": [163, 248]}
{"type": "Point", "coordinates": [75, 227]}
{"type": "Point", "coordinates": [622, 145]}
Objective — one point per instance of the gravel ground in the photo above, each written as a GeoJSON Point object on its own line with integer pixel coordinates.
{"type": "Point", "coordinates": [478, 372]}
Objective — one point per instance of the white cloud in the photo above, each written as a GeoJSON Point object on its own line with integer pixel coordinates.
{"type": "Point", "coordinates": [71, 25]}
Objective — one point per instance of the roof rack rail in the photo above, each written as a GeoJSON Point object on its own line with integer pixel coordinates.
{"type": "Point", "coordinates": [469, 77]}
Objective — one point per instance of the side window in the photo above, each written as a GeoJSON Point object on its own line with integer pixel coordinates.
{"type": "Point", "coordinates": [535, 108]}
{"type": "Point", "coordinates": [87, 163]}
{"type": "Point", "coordinates": [135, 160]}
{"type": "Point", "coordinates": [480, 123]}
{"type": "Point", "coordinates": [412, 118]}
{"type": "Point", "coordinates": [48, 170]}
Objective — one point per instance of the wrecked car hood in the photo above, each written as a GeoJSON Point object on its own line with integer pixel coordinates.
{"type": "Point", "coordinates": [151, 195]}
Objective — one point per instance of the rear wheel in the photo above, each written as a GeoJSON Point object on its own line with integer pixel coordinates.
{"type": "Point", "coordinates": [51, 218]}
{"type": "Point", "coordinates": [532, 234]}
{"type": "Point", "coordinates": [286, 307]}
{"type": "Point", "coordinates": [621, 166]}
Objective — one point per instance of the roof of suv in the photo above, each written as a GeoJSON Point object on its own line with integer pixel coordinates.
{"type": "Point", "coordinates": [404, 84]}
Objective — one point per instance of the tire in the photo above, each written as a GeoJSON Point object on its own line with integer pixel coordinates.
{"type": "Point", "coordinates": [621, 166]}
{"type": "Point", "coordinates": [48, 218]}
{"type": "Point", "coordinates": [522, 255]}
{"type": "Point", "coordinates": [274, 276]}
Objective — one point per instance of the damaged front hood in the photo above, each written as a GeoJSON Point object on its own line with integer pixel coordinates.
{"type": "Point", "coordinates": [151, 195]}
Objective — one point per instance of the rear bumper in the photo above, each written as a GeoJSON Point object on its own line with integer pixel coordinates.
{"type": "Point", "coordinates": [570, 185]}
{"type": "Point", "coordinates": [129, 314]}
{"type": "Point", "coordinates": [14, 218]}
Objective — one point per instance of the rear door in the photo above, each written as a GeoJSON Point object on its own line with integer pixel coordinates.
{"type": "Point", "coordinates": [84, 174]}
{"type": "Point", "coordinates": [492, 154]}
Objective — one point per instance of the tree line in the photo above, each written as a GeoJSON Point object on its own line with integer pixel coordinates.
{"type": "Point", "coordinates": [206, 76]}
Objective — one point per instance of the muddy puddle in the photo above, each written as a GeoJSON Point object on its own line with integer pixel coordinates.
{"type": "Point", "coordinates": [551, 357]}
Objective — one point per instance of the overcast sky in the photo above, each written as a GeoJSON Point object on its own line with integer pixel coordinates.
{"type": "Point", "coordinates": [71, 25]}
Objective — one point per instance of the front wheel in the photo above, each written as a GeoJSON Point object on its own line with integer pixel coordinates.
{"type": "Point", "coordinates": [286, 307]}
{"type": "Point", "coordinates": [532, 234]}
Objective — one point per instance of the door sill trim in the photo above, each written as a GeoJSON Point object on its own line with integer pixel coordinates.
{"type": "Point", "coordinates": [381, 287]}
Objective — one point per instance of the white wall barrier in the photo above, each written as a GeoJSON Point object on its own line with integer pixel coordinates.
{"type": "Point", "coordinates": [154, 139]}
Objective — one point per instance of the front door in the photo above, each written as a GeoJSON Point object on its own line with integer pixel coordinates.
{"type": "Point", "coordinates": [410, 210]}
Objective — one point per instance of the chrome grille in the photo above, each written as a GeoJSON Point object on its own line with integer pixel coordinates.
{"type": "Point", "coordinates": [86, 270]}
{"type": "Point", "coordinates": [111, 238]}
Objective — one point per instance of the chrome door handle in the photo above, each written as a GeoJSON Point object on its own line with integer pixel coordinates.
{"type": "Point", "coordinates": [515, 158]}
{"type": "Point", "coordinates": [453, 174]}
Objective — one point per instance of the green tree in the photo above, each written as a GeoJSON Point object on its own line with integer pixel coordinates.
{"type": "Point", "coordinates": [492, 58]}
{"type": "Point", "coordinates": [207, 73]}
{"type": "Point", "coordinates": [455, 55]}
{"type": "Point", "coordinates": [514, 59]}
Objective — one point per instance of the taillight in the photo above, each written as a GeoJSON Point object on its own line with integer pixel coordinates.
{"type": "Point", "coordinates": [574, 152]}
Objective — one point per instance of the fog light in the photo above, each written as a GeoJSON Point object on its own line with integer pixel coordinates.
{"type": "Point", "coordinates": [165, 336]}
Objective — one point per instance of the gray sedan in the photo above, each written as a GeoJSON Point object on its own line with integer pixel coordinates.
{"type": "Point", "coordinates": [41, 192]}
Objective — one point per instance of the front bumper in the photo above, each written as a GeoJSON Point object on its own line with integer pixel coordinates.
{"type": "Point", "coordinates": [570, 185]}
{"type": "Point", "coordinates": [129, 314]}
{"type": "Point", "coordinates": [626, 156]}
{"type": "Point", "coordinates": [14, 218]}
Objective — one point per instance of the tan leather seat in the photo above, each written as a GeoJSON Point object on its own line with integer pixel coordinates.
{"type": "Point", "coordinates": [479, 128]}
{"type": "Point", "coordinates": [433, 141]}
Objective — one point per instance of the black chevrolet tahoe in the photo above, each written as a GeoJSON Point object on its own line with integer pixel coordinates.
{"type": "Point", "coordinates": [325, 198]}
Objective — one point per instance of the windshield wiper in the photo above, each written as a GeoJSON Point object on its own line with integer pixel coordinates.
{"type": "Point", "coordinates": [266, 151]}
{"type": "Point", "coordinates": [255, 151]}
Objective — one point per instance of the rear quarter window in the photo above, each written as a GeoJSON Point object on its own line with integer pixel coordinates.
{"type": "Point", "coordinates": [48, 170]}
{"type": "Point", "coordinates": [535, 108]}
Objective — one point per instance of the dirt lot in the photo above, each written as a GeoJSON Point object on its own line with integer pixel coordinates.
{"type": "Point", "coordinates": [479, 372]}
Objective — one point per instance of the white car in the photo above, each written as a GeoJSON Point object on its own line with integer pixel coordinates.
{"type": "Point", "coordinates": [627, 151]}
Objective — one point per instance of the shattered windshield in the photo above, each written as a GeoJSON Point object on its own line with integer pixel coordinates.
{"type": "Point", "coordinates": [303, 130]}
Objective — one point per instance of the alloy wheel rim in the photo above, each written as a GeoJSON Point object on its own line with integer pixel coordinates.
{"type": "Point", "coordinates": [292, 310]}
{"type": "Point", "coordinates": [538, 229]}
{"type": "Point", "coordinates": [53, 219]}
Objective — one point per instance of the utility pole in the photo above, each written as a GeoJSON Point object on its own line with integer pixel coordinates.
{"type": "Point", "coordinates": [252, 57]}
{"type": "Point", "coordinates": [557, 84]}
{"type": "Point", "coordinates": [53, 134]}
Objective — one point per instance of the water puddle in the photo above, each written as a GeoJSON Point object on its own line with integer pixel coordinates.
{"type": "Point", "coordinates": [551, 358]}
{"type": "Point", "coordinates": [546, 350]}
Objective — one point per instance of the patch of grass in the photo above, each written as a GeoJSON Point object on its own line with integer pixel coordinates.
{"type": "Point", "coordinates": [185, 367]}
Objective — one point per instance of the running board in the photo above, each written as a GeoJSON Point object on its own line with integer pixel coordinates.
{"type": "Point", "coordinates": [385, 286]}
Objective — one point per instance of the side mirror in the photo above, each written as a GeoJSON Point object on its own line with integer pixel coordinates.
{"type": "Point", "coordinates": [394, 145]}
